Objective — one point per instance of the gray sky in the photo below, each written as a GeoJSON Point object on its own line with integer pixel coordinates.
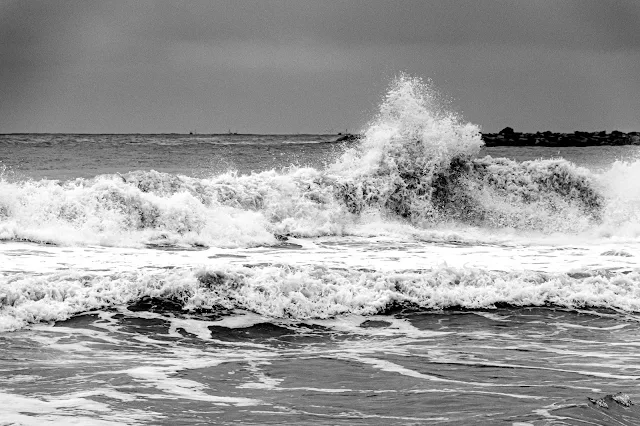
{"type": "Point", "coordinates": [313, 66]}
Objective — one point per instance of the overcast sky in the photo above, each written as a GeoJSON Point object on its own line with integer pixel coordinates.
{"type": "Point", "coordinates": [313, 66]}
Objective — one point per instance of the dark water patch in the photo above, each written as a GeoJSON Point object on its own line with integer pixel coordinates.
{"type": "Point", "coordinates": [578, 275]}
{"type": "Point", "coordinates": [550, 325]}
{"type": "Point", "coordinates": [35, 241]}
{"type": "Point", "coordinates": [286, 245]}
{"type": "Point", "coordinates": [174, 306]}
{"type": "Point", "coordinates": [22, 252]}
{"type": "Point", "coordinates": [474, 374]}
{"type": "Point", "coordinates": [275, 334]}
{"type": "Point", "coordinates": [375, 324]}
{"type": "Point", "coordinates": [314, 333]}
{"type": "Point", "coordinates": [346, 243]}
{"type": "Point", "coordinates": [262, 331]}
{"type": "Point", "coordinates": [607, 273]}
{"type": "Point", "coordinates": [155, 328]}
{"type": "Point", "coordinates": [233, 256]}
{"type": "Point", "coordinates": [84, 321]}
{"type": "Point", "coordinates": [615, 252]}
{"type": "Point", "coordinates": [446, 319]}
{"type": "Point", "coordinates": [185, 333]}
{"type": "Point", "coordinates": [358, 393]}
{"type": "Point", "coordinates": [170, 247]}
{"type": "Point", "coordinates": [156, 304]}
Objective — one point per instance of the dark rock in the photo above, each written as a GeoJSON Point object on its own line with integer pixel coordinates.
{"type": "Point", "coordinates": [600, 402]}
{"type": "Point", "coordinates": [620, 398]}
{"type": "Point", "coordinates": [507, 137]}
{"type": "Point", "coordinates": [348, 138]}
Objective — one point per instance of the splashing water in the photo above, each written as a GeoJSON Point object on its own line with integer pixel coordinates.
{"type": "Point", "coordinates": [455, 282]}
{"type": "Point", "coordinates": [411, 133]}
{"type": "Point", "coordinates": [416, 163]}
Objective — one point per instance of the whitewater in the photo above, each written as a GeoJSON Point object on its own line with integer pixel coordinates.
{"type": "Point", "coordinates": [412, 276]}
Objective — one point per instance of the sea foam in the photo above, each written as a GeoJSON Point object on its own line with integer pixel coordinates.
{"type": "Point", "coordinates": [415, 164]}
{"type": "Point", "coordinates": [304, 292]}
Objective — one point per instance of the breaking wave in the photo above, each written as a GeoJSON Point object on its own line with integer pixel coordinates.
{"type": "Point", "coordinates": [302, 293]}
{"type": "Point", "coordinates": [416, 164]}
{"type": "Point", "coordinates": [159, 208]}
{"type": "Point", "coordinates": [415, 170]}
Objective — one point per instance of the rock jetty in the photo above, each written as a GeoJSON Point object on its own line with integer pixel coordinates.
{"type": "Point", "coordinates": [509, 137]}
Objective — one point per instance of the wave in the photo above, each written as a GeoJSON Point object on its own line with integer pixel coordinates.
{"type": "Point", "coordinates": [152, 207]}
{"type": "Point", "coordinates": [416, 163]}
{"type": "Point", "coordinates": [302, 293]}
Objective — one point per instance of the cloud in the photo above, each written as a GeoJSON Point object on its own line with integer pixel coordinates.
{"type": "Point", "coordinates": [573, 24]}
{"type": "Point", "coordinates": [144, 65]}
{"type": "Point", "coordinates": [263, 55]}
{"type": "Point", "coordinates": [585, 24]}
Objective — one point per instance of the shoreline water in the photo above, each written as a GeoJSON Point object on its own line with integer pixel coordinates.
{"type": "Point", "coordinates": [424, 280]}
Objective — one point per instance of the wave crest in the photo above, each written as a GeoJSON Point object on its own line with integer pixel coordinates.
{"type": "Point", "coordinates": [305, 292]}
{"type": "Point", "coordinates": [416, 162]}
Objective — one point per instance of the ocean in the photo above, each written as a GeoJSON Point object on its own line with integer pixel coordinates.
{"type": "Point", "coordinates": [411, 277]}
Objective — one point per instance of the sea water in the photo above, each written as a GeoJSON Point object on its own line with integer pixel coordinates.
{"type": "Point", "coordinates": [411, 277]}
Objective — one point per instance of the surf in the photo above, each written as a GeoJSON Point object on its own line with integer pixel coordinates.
{"type": "Point", "coordinates": [304, 292]}
{"type": "Point", "coordinates": [416, 164]}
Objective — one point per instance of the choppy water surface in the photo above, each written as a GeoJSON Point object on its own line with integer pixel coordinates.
{"type": "Point", "coordinates": [60, 156]}
{"type": "Point", "coordinates": [404, 279]}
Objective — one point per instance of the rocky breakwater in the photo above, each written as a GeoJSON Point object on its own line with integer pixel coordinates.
{"type": "Point", "coordinates": [348, 137]}
{"type": "Point", "coordinates": [509, 137]}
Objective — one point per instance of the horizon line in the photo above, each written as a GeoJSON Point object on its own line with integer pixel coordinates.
{"type": "Point", "coordinates": [175, 133]}
{"type": "Point", "coordinates": [277, 134]}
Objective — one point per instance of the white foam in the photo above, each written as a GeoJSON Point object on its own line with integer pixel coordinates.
{"type": "Point", "coordinates": [304, 292]}
{"type": "Point", "coordinates": [164, 379]}
{"type": "Point", "coordinates": [413, 174]}
{"type": "Point", "coordinates": [262, 380]}
{"type": "Point", "coordinates": [72, 409]}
